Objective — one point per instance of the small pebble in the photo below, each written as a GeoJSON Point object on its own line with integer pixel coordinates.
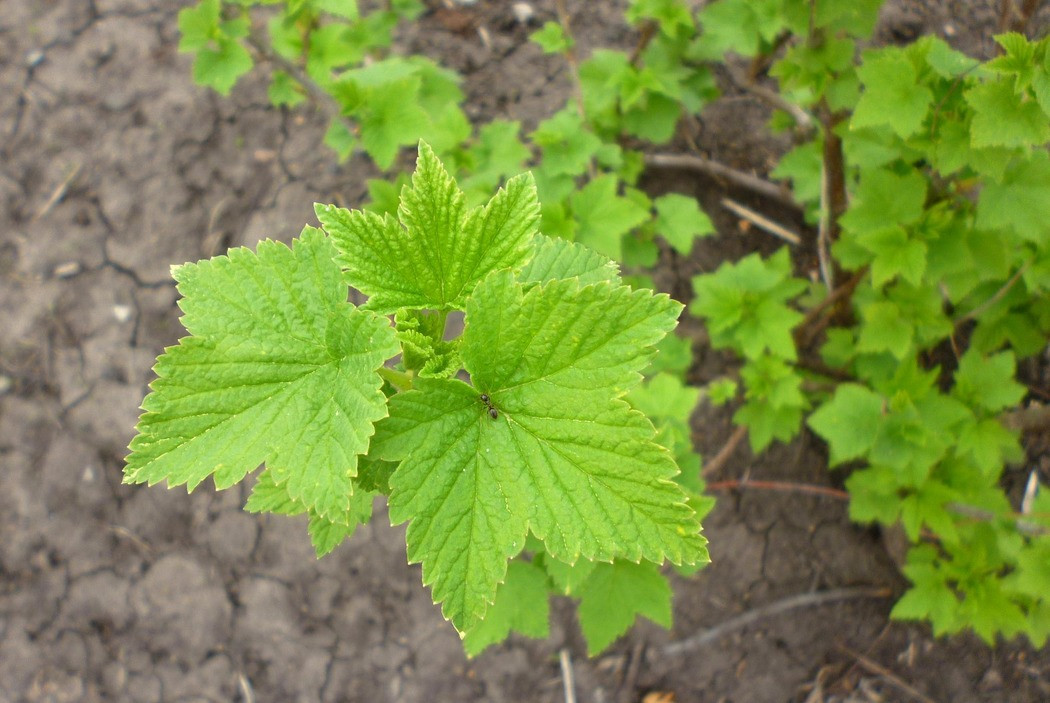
{"type": "Point", "coordinates": [34, 58]}
{"type": "Point", "coordinates": [122, 312]}
{"type": "Point", "coordinates": [5, 384]}
{"type": "Point", "coordinates": [523, 12]}
{"type": "Point", "coordinates": [89, 474]}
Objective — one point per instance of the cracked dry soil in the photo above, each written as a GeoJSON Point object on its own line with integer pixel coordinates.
{"type": "Point", "coordinates": [113, 166]}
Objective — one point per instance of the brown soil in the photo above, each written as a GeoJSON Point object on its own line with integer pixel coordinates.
{"type": "Point", "coordinates": [113, 166]}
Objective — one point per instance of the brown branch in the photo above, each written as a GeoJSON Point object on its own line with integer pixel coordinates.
{"type": "Point", "coordinates": [564, 19]}
{"type": "Point", "coordinates": [721, 172]}
{"type": "Point", "coordinates": [1031, 419]}
{"type": "Point", "coordinates": [834, 199]}
{"type": "Point", "coordinates": [726, 452]}
{"type": "Point", "coordinates": [805, 600]}
{"type": "Point", "coordinates": [815, 312]}
{"type": "Point", "coordinates": [644, 39]}
{"type": "Point", "coordinates": [780, 486]}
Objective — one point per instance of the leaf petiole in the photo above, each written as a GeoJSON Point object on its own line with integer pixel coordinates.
{"type": "Point", "coordinates": [401, 380]}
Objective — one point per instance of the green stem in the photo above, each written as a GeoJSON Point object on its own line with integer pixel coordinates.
{"type": "Point", "coordinates": [400, 380]}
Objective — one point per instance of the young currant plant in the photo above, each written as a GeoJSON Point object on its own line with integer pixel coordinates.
{"type": "Point", "coordinates": [512, 452]}
{"type": "Point", "coordinates": [936, 286]}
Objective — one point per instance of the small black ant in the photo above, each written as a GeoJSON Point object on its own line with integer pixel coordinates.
{"type": "Point", "coordinates": [493, 413]}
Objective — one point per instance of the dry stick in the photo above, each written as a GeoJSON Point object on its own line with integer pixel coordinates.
{"type": "Point", "coordinates": [770, 97]}
{"type": "Point", "coordinates": [58, 194]}
{"type": "Point", "coordinates": [782, 486]}
{"type": "Point", "coordinates": [568, 685]}
{"type": "Point", "coordinates": [761, 221]}
{"type": "Point", "coordinates": [725, 452]}
{"type": "Point", "coordinates": [784, 605]}
{"type": "Point", "coordinates": [878, 669]}
{"type": "Point", "coordinates": [716, 170]}
{"type": "Point", "coordinates": [246, 688]}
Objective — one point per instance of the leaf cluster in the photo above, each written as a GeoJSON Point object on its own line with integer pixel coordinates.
{"type": "Point", "coordinates": [523, 439]}
{"type": "Point", "coordinates": [945, 162]}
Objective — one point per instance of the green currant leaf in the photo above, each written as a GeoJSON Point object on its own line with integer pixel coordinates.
{"type": "Point", "coordinates": [522, 604]}
{"type": "Point", "coordinates": [558, 452]}
{"type": "Point", "coordinates": [434, 254]}
{"type": "Point", "coordinates": [559, 259]}
{"type": "Point", "coordinates": [680, 220]}
{"type": "Point", "coordinates": [279, 369]}
{"type": "Point", "coordinates": [849, 422]}
{"type": "Point", "coordinates": [893, 95]}
{"type": "Point", "coordinates": [615, 594]}
{"type": "Point", "coordinates": [1003, 117]}
{"type": "Point", "coordinates": [604, 217]}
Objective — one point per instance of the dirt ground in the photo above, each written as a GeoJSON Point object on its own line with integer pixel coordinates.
{"type": "Point", "coordinates": [113, 166]}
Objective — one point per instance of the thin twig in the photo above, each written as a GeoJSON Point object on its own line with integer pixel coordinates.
{"type": "Point", "coordinates": [724, 454]}
{"type": "Point", "coordinates": [782, 486]}
{"type": "Point", "coordinates": [879, 670]}
{"type": "Point", "coordinates": [805, 600]}
{"type": "Point", "coordinates": [999, 295]}
{"type": "Point", "coordinates": [564, 19]}
{"type": "Point", "coordinates": [648, 32]}
{"type": "Point", "coordinates": [58, 193]}
{"type": "Point", "coordinates": [807, 330]}
{"type": "Point", "coordinates": [981, 515]}
{"type": "Point", "coordinates": [321, 98]}
{"type": "Point", "coordinates": [770, 97]}
{"type": "Point", "coordinates": [761, 221]}
{"type": "Point", "coordinates": [722, 172]}
{"type": "Point", "coordinates": [568, 685]}
{"type": "Point", "coordinates": [247, 696]}
{"type": "Point", "coordinates": [823, 232]}
{"type": "Point", "coordinates": [634, 666]}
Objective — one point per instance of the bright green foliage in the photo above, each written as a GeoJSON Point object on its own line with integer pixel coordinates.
{"type": "Point", "coordinates": [280, 369]}
{"type": "Point", "coordinates": [746, 305]}
{"type": "Point", "coordinates": [773, 401]}
{"type": "Point", "coordinates": [385, 102]}
{"type": "Point", "coordinates": [522, 604]}
{"type": "Point", "coordinates": [558, 259]}
{"type": "Point", "coordinates": [614, 594]}
{"type": "Point", "coordinates": [435, 251]}
{"type": "Point", "coordinates": [545, 462]}
{"type": "Point", "coordinates": [946, 232]}
{"type": "Point", "coordinates": [680, 221]}
{"type": "Point", "coordinates": [552, 39]}
{"type": "Point", "coordinates": [221, 57]}
{"type": "Point", "coordinates": [1004, 118]}
{"type": "Point", "coordinates": [498, 153]}
{"type": "Point", "coordinates": [849, 422]}
{"type": "Point", "coordinates": [945, 237]}
{"type": "Point", "coordinates": [604, 217]}
{"type": "Point", "coordinates": [893, 95]}
{"type": "Point", "coordinates": [326, 533]}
